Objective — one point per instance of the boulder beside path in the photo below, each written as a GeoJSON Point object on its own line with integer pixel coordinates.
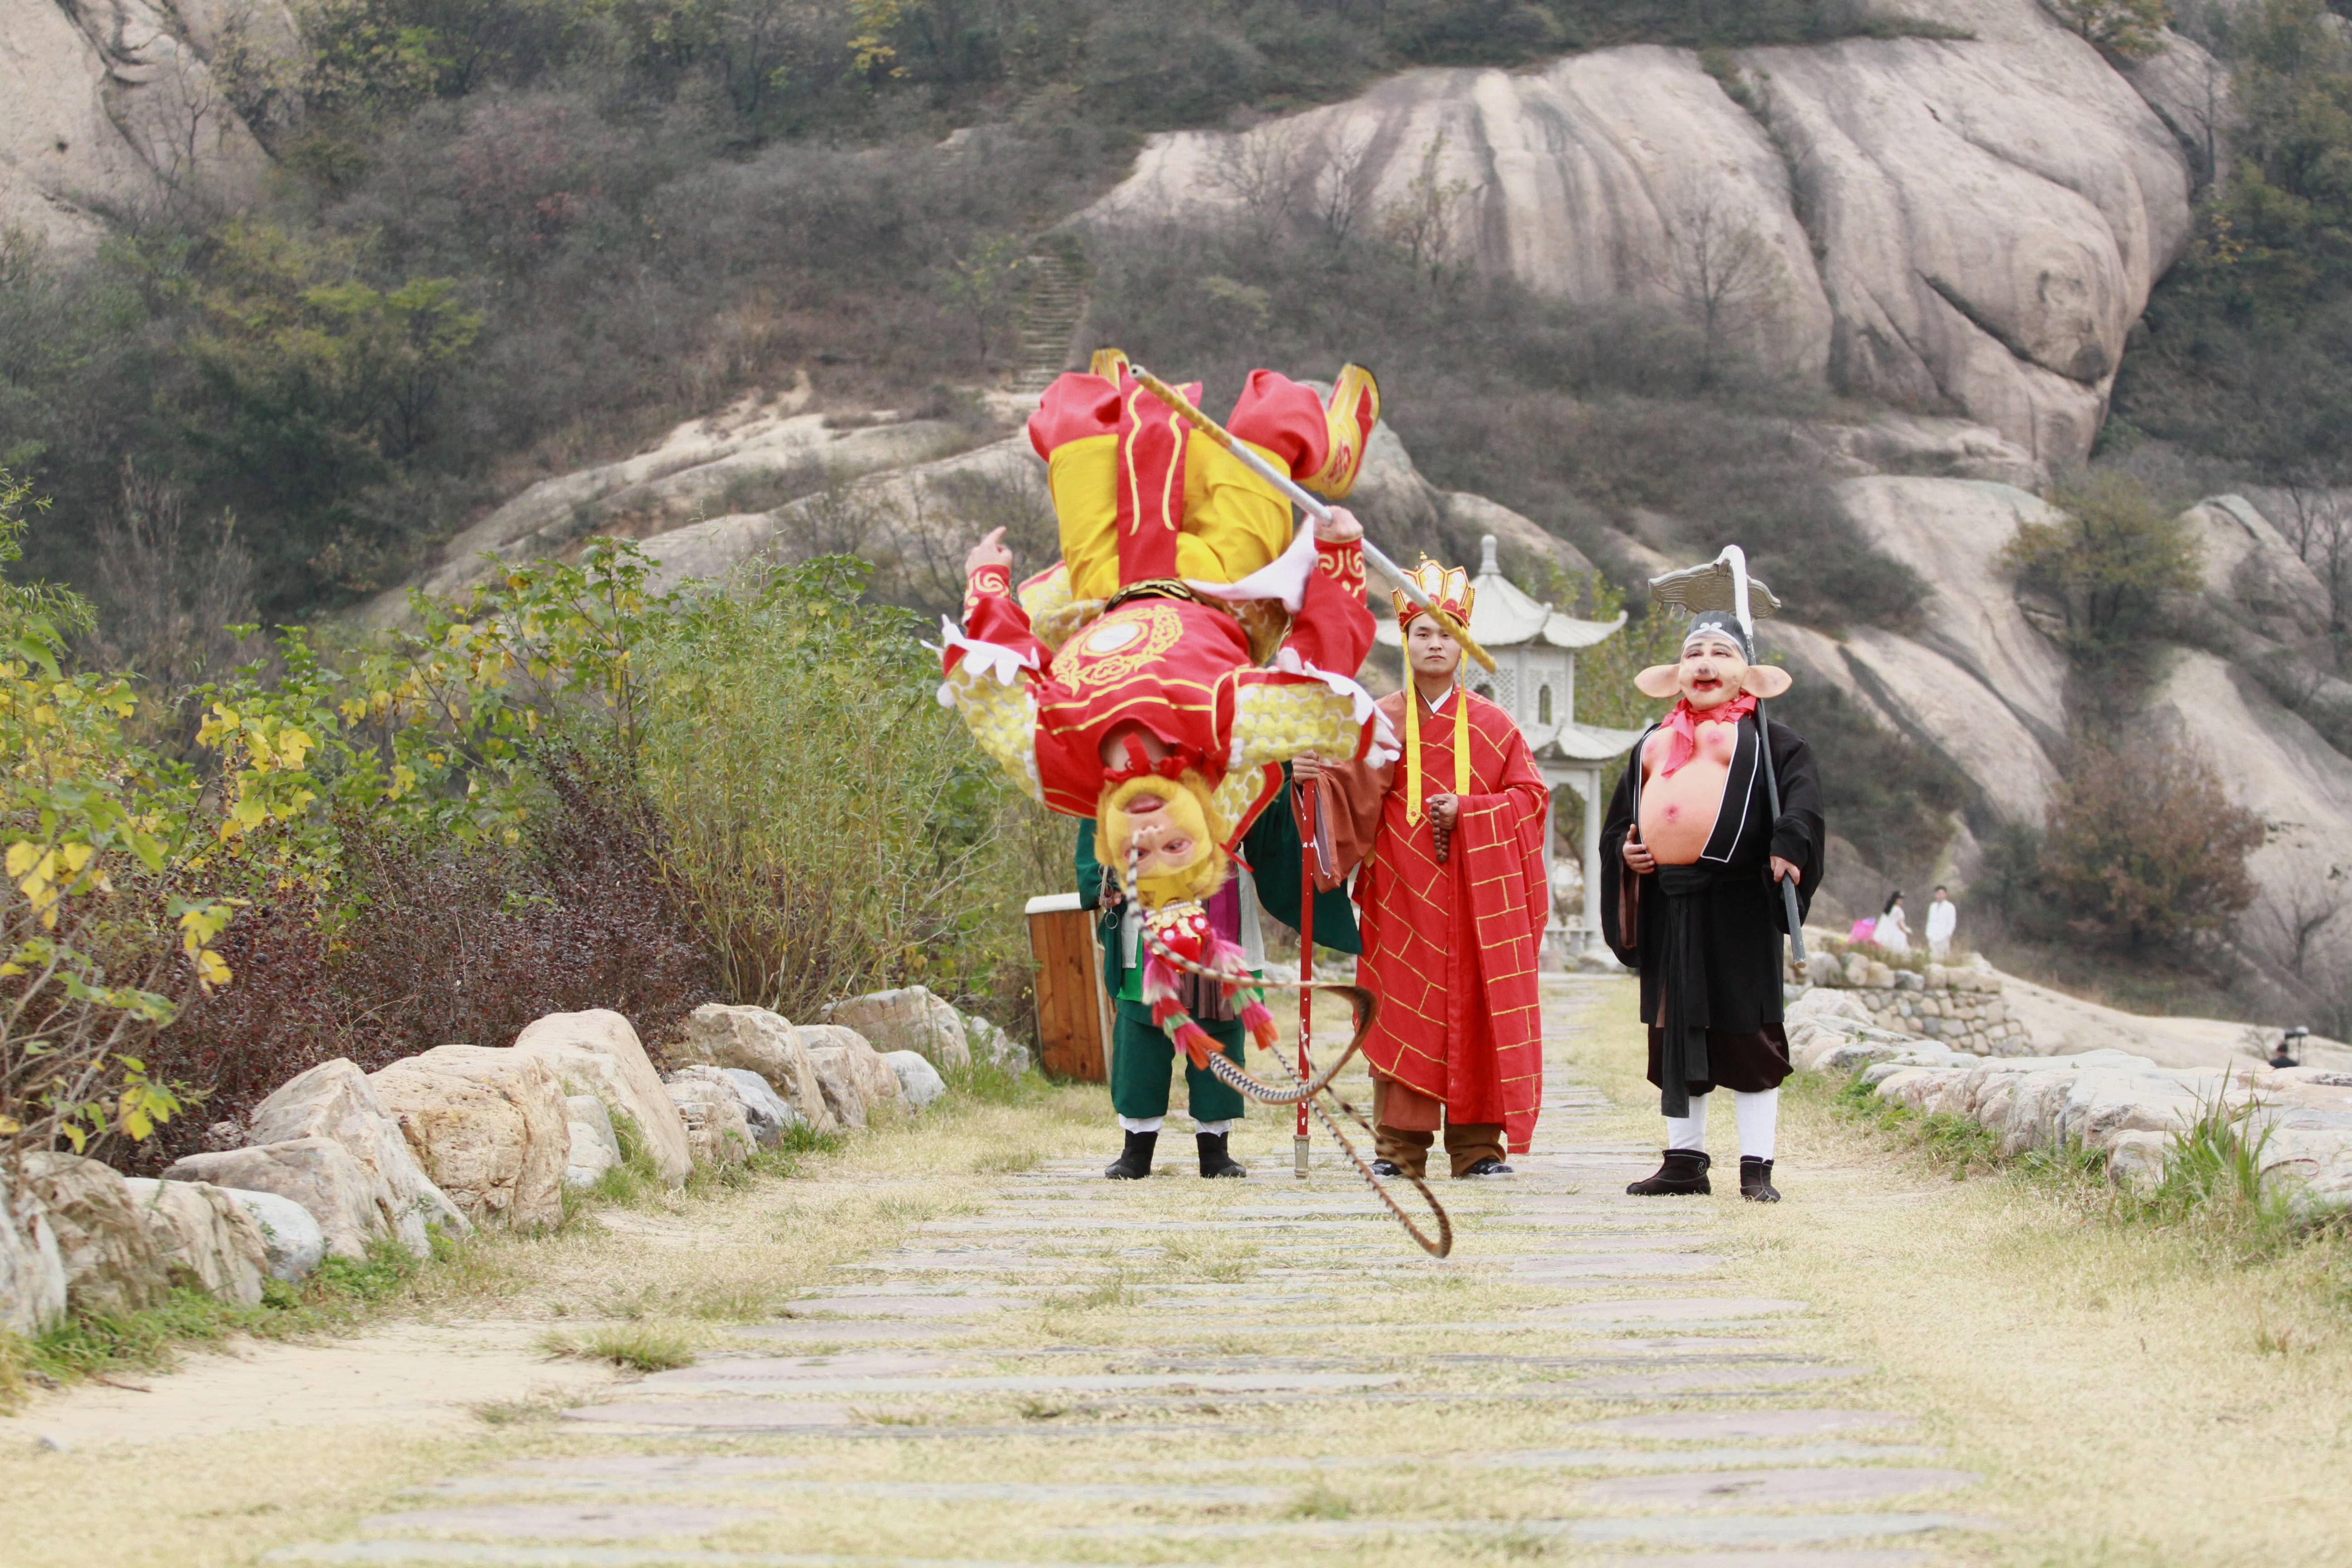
{"type": "Point", "coordinates": [910, 1018]}
{"type": "Point", "coordinates": [597, 1052]}
{"type": "Point", "coordinates": [758, 1040]}
{"type": "Point", "coordinates": [491, 1127]}
{"type": "Point", "coordinates": [335, 1099]}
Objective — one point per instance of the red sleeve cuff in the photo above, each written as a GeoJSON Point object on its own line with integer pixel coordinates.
{"type": "Point", "coordinates": [1343, 563]}
{"type": "Point", "coordinates": [987, 581]}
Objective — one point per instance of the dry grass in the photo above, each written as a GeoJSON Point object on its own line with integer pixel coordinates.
{"type": "Point", "coordinates": [2135, 1393]}
{"type": "Point", "coordinates": [2129, 1402]}
{"type": "Point", "coordinates": [637, 1347]}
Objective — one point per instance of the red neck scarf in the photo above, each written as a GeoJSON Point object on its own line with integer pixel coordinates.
{"type": "Point", "coordinates": [1682, 728]}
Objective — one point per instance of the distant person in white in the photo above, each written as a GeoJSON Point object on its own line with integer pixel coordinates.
{"type": "Point", "coordinates": [1893, 933]}
{"type": "Point", "coordinates": [1943, 916]}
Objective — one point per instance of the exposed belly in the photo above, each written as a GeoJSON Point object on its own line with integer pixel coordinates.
{"type": "Point", "coordinates": [1678, 813]}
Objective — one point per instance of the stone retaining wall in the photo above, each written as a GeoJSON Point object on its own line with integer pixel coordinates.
{"type": "Point", "coordinates": [1957, 1006]}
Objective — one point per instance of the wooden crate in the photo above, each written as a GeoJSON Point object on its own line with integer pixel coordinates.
{"type": "Point", "coordinates": [1074, 1016]}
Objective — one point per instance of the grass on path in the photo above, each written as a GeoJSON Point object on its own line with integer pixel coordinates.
{"type": "Point", "coordinates": [2149, 1382]}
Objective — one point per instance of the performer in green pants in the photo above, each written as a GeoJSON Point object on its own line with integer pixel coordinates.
{"type": "Point", "coordinates": [1142, 1057]}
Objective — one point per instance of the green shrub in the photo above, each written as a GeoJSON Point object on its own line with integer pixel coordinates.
{"type": "Point", "coordinates": [831, 828]}
{"type": "Point", "coordinates": [2115, 557]}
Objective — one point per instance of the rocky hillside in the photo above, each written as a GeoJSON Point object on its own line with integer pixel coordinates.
{"type": "Point", "coordinates": [114, 106]}
{"type": "Point", "coordinates": [1973, 221]}
{"type": "Point", "coordinates": [1908, 250]}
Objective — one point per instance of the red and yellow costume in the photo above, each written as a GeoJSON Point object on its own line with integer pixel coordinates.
{"type": "Point", "coordinates": [1451, 946]}
{"type": "Point", "coordinates": [1185, 600]}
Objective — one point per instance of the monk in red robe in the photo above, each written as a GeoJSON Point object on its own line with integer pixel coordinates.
{"type": "Point", "coordinates": [1451, 901]}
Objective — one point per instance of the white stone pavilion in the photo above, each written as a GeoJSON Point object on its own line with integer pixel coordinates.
{"type": "Point", "coordinates": [1534, 681]}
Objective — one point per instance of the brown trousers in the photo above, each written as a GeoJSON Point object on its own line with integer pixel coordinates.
{"type": "Point", "coordinates": [1407, 1147]}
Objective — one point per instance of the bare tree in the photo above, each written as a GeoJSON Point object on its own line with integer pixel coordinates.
{"type": "Point", "coordinates": [170, 587]}
{"type": "Point", "coordinates": [1425, 226]}
{"type": "Point", "coordinates": [2317, 522]}
{"type": "Point", "coordinates": [1724, 272]}
{"type": "Point", "coordinates": [2287, 926]}
{"type": "Point", "coordinates": [1340, 198]}
{"type": "Point", "coordinates": [1262, 170]}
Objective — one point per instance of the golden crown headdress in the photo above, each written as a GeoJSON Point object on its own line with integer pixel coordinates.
{"type": "Point", "coordinates": [1447, 587]}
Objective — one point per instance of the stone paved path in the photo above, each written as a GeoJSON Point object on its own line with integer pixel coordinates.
{"type": "Point", "coordinates": [1086, 1372]}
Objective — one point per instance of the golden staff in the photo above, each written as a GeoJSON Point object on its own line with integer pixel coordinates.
{"type": "Point", "coordinates": [1307, 503]}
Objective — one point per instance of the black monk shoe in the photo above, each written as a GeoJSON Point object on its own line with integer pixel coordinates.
{"type": "Point", "coordinates": [1134, 1162]}
{"type": "Point", "coordinates": [1684, 1173]}
{"type": "Point", "coordinates": [1756, 1180]}
{"type": "Point", "coordinates": [1387, 1168]}
{"type": "Point", "coordinates": [1214, 1160]}
{"type": "Point", "coordinates": [1489, 1166]}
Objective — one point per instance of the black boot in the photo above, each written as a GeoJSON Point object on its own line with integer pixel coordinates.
{"type": "Point", "coordinates": [1134, 1162]}
{"type": "Point", "coordinates": [1215, 1160]}
{"type": "Point", "coordinates": [1756, 1180]}
{"type": "Point", "coordinates": [1683, 1172]}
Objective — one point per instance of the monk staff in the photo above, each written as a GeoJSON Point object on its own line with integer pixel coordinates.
{"type": "Point", "coordinates": [1304, 1090]}
{"type": "Point", "coordinates": [1307, 503]}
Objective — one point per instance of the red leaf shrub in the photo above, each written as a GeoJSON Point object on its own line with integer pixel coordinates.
{"type": "Point", "coordinates": [438, 941]}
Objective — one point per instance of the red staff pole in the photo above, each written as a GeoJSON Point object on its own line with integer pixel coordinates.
{"type": "Point", "coordinates": [1306, 801]}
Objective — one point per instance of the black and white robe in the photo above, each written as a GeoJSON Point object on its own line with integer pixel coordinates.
{"type": "Point", "coordinates": [1708, 937]}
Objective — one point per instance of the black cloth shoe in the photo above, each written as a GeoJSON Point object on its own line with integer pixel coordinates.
{"type": "Point", "coordinates": [1487, 1167]}
{"type": "Point", "coordinates": [1756, 1180]}
{"type": "Point", "coordinates": [1215, 1160]}
{"type": "Point", "coordinates": [1683, 1172]}
{"type": "Point", "coordinates": [1134, 1162]}
{"type": "Point", "coordinates": [1386, 1168]}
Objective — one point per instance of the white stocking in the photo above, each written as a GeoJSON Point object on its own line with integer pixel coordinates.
{"type": "Point", "coordinates": [1213, 1128]}
{"type": "Point", "coordinates": [1759, 1119]}
{"type": "Point", "coordinates": [1140, 1123]}
{"type": "Point", "coordinates": [1688, 1132]}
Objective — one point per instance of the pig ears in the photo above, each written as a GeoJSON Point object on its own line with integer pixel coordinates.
{"type": "Point", "coordinates": [1765, 681]}
{"type": "Point", "coordinates": [1659, 681]}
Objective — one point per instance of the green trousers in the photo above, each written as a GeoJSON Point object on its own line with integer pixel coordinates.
{"type": "Point", "coordinates": [1141, 1063]}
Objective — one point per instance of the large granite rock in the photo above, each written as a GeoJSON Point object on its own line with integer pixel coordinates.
{"type": "Point", "coordinates": [763, 1042]}
{"type": "Point", "coordinates": [32, 1272]}
{"type": "Point", "coordinates": [206, 1237]}
{"type": "Point", "coordinates": [867, 1067]}
{"type": "Point", "coordinates": [335, 1099]}
{"type": "Point", "coordinates": [597, 1052]}
{"type": "Point", "coordinates": [844, 1086]}
{"type": "Point", "coordinates": [491, 1127]}
{"type": "Point", "coordinates": [113, 1265]}
{"type": "Point", "coordinates": [112, 105]}
{"type": "Point", "coordinates": [593, 1148]}
{"type": "Point", "coordinates": [1975, 221]}
{"type": "Point", "coordinates": [292, 1241]}
{"type": "Point", "coordinates": [768, 1113]}
{"type": "Point", "coordinates": [716, 1126]}
{"type": "Point", "coordinates": [348, 1201]}
{"type": "Point", "coordinates": [908, 1019]}
{"type": "Point", "coordinates": [919, 1082]}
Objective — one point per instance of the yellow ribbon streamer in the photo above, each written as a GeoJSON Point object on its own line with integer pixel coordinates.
{"type": "Point", "coordinates": [1412, 751]}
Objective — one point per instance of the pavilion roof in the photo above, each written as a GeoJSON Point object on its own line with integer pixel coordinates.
{"type": "Point", "coordinates": [1502, 615]}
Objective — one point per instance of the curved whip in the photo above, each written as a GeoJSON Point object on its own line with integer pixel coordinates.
{"type": "Point", "coordinates": [1224, 1067]}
